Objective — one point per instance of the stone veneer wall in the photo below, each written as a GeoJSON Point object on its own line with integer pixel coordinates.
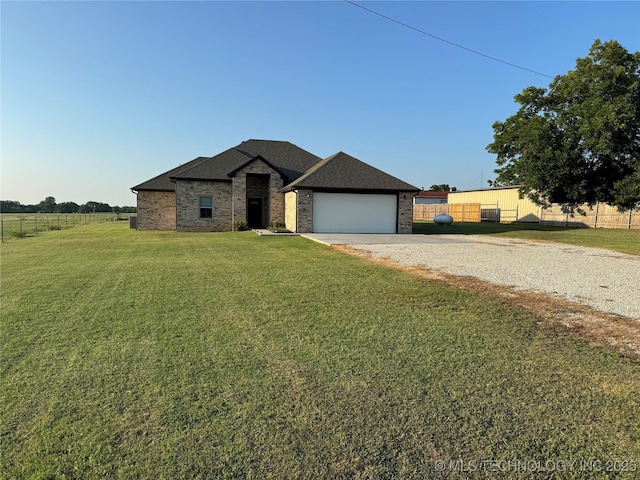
{"type": "Point", "coordinates": [405, 212]}
{"type": "Point", "coordinates": [305, 211]}
{"type": "Point", "coordinates": [239, 193]}
{"type": "Point", "coordinates": [188, 195]}
{"type": "Point", "coordinates": [156, 210]}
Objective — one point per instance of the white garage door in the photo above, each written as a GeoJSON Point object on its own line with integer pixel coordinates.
{"type": "Point", "coordinates": [354, 213]}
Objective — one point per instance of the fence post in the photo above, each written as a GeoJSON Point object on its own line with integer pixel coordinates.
{"type": "Point", "coordinates": [629, 222]}
{"type": "Point", "coordinates": [516, 213]}
{"type": "Point", "coordinates": [497, 213]}
{"type": "Point", "coordinates": [595, 221]}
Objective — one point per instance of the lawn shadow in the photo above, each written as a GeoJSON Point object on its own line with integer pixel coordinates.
{"type": "Point", "coordinates": [483, 228]}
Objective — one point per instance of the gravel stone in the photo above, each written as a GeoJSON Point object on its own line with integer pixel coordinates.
{"type": "Point", "coordinates": [602, 279]}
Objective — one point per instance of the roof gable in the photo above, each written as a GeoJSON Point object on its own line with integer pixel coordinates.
{"type": "Point", "coordinates": [286, 158]}
{"type": "Point", "coordinates": [344, 172]}
{"type": "Point", "coordinates": [234, 172]}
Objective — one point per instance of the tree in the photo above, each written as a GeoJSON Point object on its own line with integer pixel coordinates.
{"type": "Point", "coordinates": [578, 141]}
{"type": "Point", "coordinates": [48, 205]}
{"type": "Point", "coordinates": [12, 206]}
{"type": "Point", "coordinates": [443, 187]}
{"type": "Point", "coordinates": [95, 207]}
{"type": "Point", "coordinates": [67, 207]}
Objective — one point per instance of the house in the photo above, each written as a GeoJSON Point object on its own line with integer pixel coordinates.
{"type": "Point", "coordinates": [264, 181]}
{"type": "Point", "coordinates": [429, 197]}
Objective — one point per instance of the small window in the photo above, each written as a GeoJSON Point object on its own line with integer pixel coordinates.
{"type": "Point", "coordinates": [206, 207]}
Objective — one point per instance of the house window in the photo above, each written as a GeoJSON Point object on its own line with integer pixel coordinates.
{"type": "Point", "coordinates": [206, 207]}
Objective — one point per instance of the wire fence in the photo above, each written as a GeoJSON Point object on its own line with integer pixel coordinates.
{"type": "Point", "coordinates": [18, 225]}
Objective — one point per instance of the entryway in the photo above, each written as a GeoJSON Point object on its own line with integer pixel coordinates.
{"type": "Point", "coordinates": [254, 213]}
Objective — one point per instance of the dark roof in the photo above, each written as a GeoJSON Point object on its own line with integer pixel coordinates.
{"type": "Point", "coordinates": [344, 172]}
{"type": "Point", "coordinates": [432, 194]}
{"type": "Point", "coordinates": [162, 182]}
{"type": "Point", "coordinates": [288, 159]}
{"type": "Point", "coordinates": [299, 169]}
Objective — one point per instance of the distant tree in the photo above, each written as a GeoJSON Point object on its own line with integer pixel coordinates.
{"type": "Point", "coordinates": [11, 206]}
{"type": "Point", "coordinates": [95, 207]}
{"type": "Point", "coordinates": [67, 207]}
{"type": "Point", "coordinates": [579, 140]}
{"type": "Point", "coordinates": [443, 187]}
{"type": "Point", "coordinates": [48, 205]}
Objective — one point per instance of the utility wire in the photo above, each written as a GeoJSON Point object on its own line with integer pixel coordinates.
{"type": "Point", "coordinates": [445, 40]}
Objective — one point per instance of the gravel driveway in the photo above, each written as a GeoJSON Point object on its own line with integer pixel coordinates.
{"type": "Point", "coordinates": [602, 279]}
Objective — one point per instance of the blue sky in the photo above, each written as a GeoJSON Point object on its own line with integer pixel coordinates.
{"type": "Point", "coordinates": [100, 96]}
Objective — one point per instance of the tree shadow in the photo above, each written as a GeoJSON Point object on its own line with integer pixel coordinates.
{"type": "Point", "coordinates": [484, 228]}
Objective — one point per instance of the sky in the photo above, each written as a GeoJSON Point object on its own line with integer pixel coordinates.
{"type": "Point", "coordinates": [97, 97]}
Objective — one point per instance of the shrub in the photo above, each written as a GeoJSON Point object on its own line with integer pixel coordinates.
{"type": "Point", "coordinates": [240, 225]}
{"type": "Point", "coordinates": [278, 227]}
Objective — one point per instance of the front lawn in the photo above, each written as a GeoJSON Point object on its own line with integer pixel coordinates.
{"type": "Point", "coordinates": [161, 355]}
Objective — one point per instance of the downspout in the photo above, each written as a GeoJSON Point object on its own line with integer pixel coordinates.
{"type": "Point", "coordinates": [136, 194]}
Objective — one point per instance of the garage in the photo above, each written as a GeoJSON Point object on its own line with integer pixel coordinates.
{"type": "Point", "coordinates": [354, 213]}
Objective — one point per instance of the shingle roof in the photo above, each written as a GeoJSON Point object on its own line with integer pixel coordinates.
{"type": "Point", "coordinates": [288, 159]}
{"type": "Point", "coordinates": [162, 182]}
{"type": "Point", "coordinates": [344, 172]}
{"type": "Point", "coordinates": [299, 168]}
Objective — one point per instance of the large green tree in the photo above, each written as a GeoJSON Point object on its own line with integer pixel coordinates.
{"type": "Point", "coordinates": [48, 205]}
{"type": "Point", "coordinates": [579, 140]}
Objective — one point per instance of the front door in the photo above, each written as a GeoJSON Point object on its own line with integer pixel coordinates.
{"type": "Point", "coordinates": [254, 213]}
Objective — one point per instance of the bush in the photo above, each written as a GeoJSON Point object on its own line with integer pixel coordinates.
{"type": "Point", "coordinates": [278, 227]}
{"type": "Point", "coordinates": [239, 226]}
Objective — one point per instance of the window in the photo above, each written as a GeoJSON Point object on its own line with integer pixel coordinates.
{"type": "Point", "coordinates": [206, 207]}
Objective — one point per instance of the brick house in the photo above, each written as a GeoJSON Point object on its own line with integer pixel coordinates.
{"type": "Point", "coordinates": [264, 181]}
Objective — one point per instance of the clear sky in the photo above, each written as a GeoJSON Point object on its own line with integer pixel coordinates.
{"type": "Point", "coordinates": [100, 96]}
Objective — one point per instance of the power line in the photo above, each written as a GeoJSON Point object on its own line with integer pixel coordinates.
{"type": "Point", "coordinates": [445, 40]}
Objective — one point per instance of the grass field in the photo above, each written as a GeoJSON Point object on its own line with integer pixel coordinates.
{"type": "Point", "coordinates": [161, 355]}
{"type": "Point", "coordinates": [21, 225]}
{"type": "Point", "coordinates": [625, 241]}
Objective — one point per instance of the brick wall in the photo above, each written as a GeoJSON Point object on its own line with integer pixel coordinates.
{"type": "Point", "coordinates": [405, 212]}
{"type": "Point", "coordinates": [188, 195]}
{"type": "Point", "coordinates": [239, 193]}
{"type": "Point", "coordinates": [305, 211]}
{"type": "Point", "coordinates": [156, 210]}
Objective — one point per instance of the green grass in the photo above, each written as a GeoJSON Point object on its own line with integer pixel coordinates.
{"type": "Point", "coordinates": [625, 241]}
{"type": "Point", "coordinates": [21, 225]}
{"type": "Point", "coordinates": [161, 355]}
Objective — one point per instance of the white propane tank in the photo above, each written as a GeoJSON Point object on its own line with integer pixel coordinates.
{"type": "Point", "coordinates": [443, 219]}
